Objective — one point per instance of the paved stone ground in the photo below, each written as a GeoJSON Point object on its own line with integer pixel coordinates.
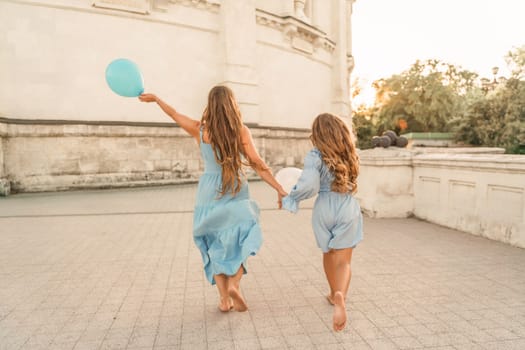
{"type": "Point", "coordinates": [117, 269]}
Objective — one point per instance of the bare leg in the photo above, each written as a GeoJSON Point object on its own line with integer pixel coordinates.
{"type": "Point", "coordinates": [329, 264]}
{"type": "Point", "coordinates": [339, 267]}
{"type": "Point", "coordinates": [225, 303]}
{"type": "Point", "coordinates": [234, 291]}
{"type": "Point", "coordinates": [349, 276]}
{"type": "Point", "coordinates": [330, 277]}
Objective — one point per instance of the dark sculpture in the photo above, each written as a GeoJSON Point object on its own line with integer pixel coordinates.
{"type": "Point", "coordinates": [388, 139]}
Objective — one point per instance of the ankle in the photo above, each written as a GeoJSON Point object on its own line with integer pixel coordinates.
{"type": "Point", "coordinates": [339, 296]}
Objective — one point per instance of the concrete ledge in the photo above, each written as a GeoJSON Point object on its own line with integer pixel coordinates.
{"type": "Point", "coordinates": [53, 155]}
{"type": "Point", "coordinates": [483, 194]}
{"type": "Point", "coordinates": [47, 183]}
{"type": "Point", "coordinates": [476, 162]}
{"type": "Point", "coordinates": [385, 156]}
{"type": "Point", "coordinates": [455, 150]}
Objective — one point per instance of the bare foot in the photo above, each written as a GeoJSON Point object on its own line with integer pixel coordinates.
{"type": "Point", "coordinates": [239, 304]}
{"type": "Point", "coordinates": [226, 304]}
{"type": "Point", "coordinates": [339, 317]}
{"type": "Point", "coordinates": [330, 299]}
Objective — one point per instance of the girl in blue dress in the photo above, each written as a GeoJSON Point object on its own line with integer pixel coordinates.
{"type": "Point", "coordinates": [226, 221]}
{"type": "Point", "coordinates": [330, 171]}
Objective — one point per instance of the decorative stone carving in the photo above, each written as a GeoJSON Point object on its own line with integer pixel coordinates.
{"type": "Point", "coordinates": [302, 36]}
{"type": "Point", "coordinates": [299, 6]}
{"type": "Point", "coordinates": [210, 5]}
{"type": "Point", "coordinates": [160, 5]}
{"type": "Point", "coordinates": [303, 45]}
{"type": "Point", "coordinates": [144, 6]}
{"type": "Point", "coordinates": [289, 30]}
{"type": "Point", "coordinates": [350, 63]}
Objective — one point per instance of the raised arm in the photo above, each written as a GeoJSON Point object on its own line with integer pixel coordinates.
{"type": "Point", "coordinates": [257, 163]}
{"type": "Point", "coordinates": [191, 126]}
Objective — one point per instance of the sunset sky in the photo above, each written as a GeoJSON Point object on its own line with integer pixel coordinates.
{"type": "Point", "coordinates": [388, 36]}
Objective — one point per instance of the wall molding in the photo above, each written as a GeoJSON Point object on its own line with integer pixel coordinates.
{"type": "Point", "coordinates": [302, 36]}
{"type": "Point", "coordinates": [209, 5]}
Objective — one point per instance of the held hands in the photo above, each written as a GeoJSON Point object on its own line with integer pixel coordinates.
{"type": "Point", "coordinates": [148, 98]}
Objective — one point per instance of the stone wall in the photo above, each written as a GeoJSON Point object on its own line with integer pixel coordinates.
{"type": "Point", "coordinates": [483, 194]}
{"type": "Point", "coordinates": [480, 194]}
{"type": "Point", "coordinates": [54, 155]}
{"type": "Point", "coordinates": [378, 194]}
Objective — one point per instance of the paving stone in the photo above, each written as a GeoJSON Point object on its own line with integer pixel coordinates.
{"type": "Point", "coordinates": [78, 274]}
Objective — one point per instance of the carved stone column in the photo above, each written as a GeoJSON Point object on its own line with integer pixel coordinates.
{"type": "Point", "coordinates": [340, 92]}
{"type": "Point", "coordinates": [350, 63]}
{"type": "Point", "coordinates": [238, 35]}
{"type": "Point", "coordinates": [299, 6]}
{"type": "Point", "coordinates": [349, 54]}
{"type": "Point", "coordinates": [314, 16]}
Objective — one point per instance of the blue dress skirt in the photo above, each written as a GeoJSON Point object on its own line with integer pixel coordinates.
{"type": "Point", "coordinates": [225, 229]}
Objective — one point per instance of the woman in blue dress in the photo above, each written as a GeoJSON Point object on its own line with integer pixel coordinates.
{"type": "Point", "coordinates": [330, 170]}
{"type": "Point", "coordinates": [226, 221]}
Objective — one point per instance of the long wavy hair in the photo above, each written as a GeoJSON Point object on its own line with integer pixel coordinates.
{"type": "Point", "coordinates": [223, 123]}
{"type": "Point", "coordinates": [332, 138]}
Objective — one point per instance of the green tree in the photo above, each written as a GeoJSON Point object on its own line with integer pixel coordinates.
{"type": "Point", "coordinates": [364, 126]}
{"type": "Point", "coordinates": [427, 96]}
{"type": "Point", "coordinates": [497, 118]}
{"type": "Point", "coordinates": [516, 61]}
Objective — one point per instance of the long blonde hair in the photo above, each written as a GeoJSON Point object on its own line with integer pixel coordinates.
{"type": "Point", "coordinates": [223, 123]}
{"type": "Point", "coordinates": [332, 138]}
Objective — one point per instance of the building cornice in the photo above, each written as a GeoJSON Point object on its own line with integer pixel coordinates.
{"type": "Point", "coordinates": [296, 31]}
{"type": "Point", "coordinates": [16, 127]}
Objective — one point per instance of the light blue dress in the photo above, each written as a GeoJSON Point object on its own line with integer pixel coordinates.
{"type": "Point", "coordinates": [336, 219]}
{"type": "Point", "coordinates": [225, 229]}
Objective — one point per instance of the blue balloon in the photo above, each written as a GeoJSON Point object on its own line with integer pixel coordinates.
{"type": "Point", "coordinates": [124, 78]}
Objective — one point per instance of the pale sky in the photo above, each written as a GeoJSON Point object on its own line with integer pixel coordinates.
{"type": "Point", "coordinates": [389, 35]}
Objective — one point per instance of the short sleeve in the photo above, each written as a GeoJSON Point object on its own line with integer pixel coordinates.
{"type": "Point", "coordinates": [308, 184]}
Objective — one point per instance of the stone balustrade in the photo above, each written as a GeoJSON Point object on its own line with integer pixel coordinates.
{"type": "Point", "coordinates": [483, 194]}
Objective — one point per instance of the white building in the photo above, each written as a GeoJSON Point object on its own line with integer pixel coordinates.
{"type": "Point", "coordinates": [61, 126]}
{"type": "Point", "coordinates": [286, 60]}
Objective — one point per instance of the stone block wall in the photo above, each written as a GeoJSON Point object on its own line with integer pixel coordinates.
{"type": "Point", "coordinates": [51, 156]}
{"type": "Point", "coordinates": [483, 194]}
